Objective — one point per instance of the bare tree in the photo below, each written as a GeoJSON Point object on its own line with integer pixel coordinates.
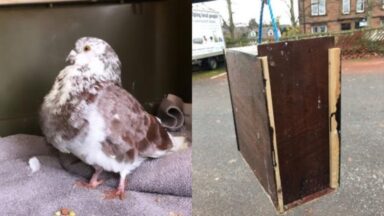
{"type": "Point", "coordinates": [292, 14]}
{"type": "Point", "coordinates": [231, 25]}
{"type": "Point", "coordinates": [252, 24]}
{"type": "Point", "coordinates": [370, 6]}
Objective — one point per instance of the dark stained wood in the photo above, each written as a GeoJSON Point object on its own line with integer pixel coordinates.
{"type": "Point", "coordinates": [309, 198]}
{"type": "Point", "coordinates": [299, 82]}
{"type": "Point", "coordinates": [251, 117]}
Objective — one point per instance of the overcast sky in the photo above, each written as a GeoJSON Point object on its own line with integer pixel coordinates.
{"type": "Point", "coordinates": [244, 10]}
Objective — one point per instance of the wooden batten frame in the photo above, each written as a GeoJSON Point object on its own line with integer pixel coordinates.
{"type": "Point", "coordinates": [268, 94]}
{"type": "Point", "coordinates": [334, 94]}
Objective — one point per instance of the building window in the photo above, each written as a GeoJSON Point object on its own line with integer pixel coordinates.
{"type": "Point", "coordinates": [359, 6]}
{"type": "Point", "coordinates": [357, 25]}
{"type": "Point", "coordinates": [382, 4]}
{"type": "Point", "coordinates": [361, 24]}
{"type": "Point", "coordinates": [318, 7]}
{"type": "Point", "coordinates": [345, 26]}
{"type": "Point", "coordinates": [382, 21]}
{"type": "Point", "coordinates": [347, 6]}
{"type": "Point", "coordinates": [319, 29]}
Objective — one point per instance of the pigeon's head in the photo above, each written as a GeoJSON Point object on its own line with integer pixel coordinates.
{"type": "Point", "coordinates": [90, 52]}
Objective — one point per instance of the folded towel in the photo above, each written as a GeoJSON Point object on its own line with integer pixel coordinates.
{"type": "Point", "coordinates": [171, 112]}
{"type": "Point", "coordinates": [50, 187]}
{"type": "Point", "coordinates": [176, 116]}
{"type": "Point", "coordinates": [22, 146]}
{"type": "Point", "coordinates": [171, 174]}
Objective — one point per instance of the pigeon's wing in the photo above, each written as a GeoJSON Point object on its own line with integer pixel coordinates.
{"type": "Point", "coordinates": [131, 130]}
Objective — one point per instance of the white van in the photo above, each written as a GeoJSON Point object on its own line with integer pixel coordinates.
{"type": "Point", "coordinates": [208, 42]}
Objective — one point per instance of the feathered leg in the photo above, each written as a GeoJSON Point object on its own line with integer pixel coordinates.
{"type": "Point", "coordinates": [94, 182]}
{"type": "Point", "coordinates": [119, 192]}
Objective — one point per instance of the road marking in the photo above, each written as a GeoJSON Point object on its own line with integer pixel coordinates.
{"type": "Point", "coordinates": [219, 75]}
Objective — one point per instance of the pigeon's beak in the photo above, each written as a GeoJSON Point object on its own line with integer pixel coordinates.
{"type": "Point", "coordinates": [71, 57]}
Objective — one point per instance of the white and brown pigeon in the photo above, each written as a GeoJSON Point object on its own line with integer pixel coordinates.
{"type": "Point", "coordinates": [88, 113]}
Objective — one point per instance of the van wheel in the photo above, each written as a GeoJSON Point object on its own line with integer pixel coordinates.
{"type": "Point", "coordinates": [211, 63]}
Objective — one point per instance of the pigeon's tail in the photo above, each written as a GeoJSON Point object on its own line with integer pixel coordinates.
{"type": "Point", "coordinates": [179, 143]}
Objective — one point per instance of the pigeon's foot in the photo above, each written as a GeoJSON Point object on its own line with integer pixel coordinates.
{"type": "Point", "coordinates": [114, 194]}
{"type": "Point", "coordinates": [89, 185]}
{"type": "Point", "coordinates": [93, 183]}
{"type": "Point", "coordinates": [119, 192]}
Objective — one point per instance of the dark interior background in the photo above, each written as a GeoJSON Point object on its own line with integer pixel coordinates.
{"type": "Point", "coordinates": [152, 39]}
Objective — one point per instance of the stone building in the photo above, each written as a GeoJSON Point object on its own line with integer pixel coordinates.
{"type": "Point", "coordinates": [339, 15]}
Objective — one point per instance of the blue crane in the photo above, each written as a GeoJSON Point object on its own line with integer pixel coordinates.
{"type": "Point", "coordinates": [275, 31]}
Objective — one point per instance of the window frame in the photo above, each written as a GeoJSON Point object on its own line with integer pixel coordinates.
{"type": "Point", "coordinates": [316, 6]}
{"type": "Point", "coordinates": [347, 23]}
{"type": "Point", "coordinates": [357, 9]}
{"type": "Point", "coordinates": [343, 11]}
{"type": "Point", "coordinates": [319, 27]}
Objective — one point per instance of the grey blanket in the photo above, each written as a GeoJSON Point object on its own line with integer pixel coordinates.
{"type": "Point", "coordinates": [159, 187]}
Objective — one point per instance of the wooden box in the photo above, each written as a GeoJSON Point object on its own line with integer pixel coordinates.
{"type": "Point", "coordinates": [286, 106]}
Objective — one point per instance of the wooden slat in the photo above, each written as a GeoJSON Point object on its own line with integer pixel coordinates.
{"type": "Point", "coordinates": [334, 95]}
{"type": "Point", "coordinates": [268, 92]}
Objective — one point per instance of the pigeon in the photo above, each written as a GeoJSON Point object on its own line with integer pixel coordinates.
{"type": "Point", "coordinates": [89, 114]}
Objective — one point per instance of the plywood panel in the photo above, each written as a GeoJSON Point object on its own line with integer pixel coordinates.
{"type": "Point", "coordinates": [251, 116]}
{"type": "Point", "coordinates": [299, 83]}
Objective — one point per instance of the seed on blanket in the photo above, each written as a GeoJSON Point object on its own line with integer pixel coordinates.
{"type": "Point", "coordinates": [57, 213]}
{"type": "Point", "coordinates": [72, 213]}
{"type": "Point", "coordinates": [64, 211]}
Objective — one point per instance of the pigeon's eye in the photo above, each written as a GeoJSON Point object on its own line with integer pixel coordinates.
{"type": "Point", "coordinates": [87, 48]}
